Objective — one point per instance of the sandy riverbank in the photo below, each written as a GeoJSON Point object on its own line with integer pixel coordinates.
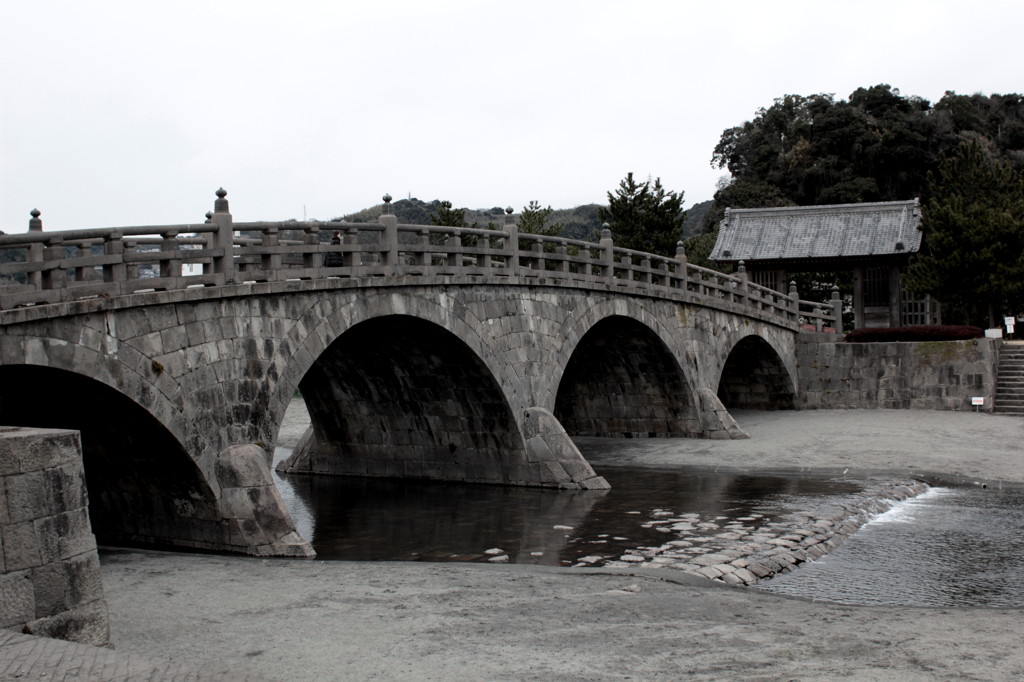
{"type": "Point", "coordinates": [308, 619]}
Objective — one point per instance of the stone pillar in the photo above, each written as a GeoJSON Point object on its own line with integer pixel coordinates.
{"type": "Point", "coordinates": [561, 462]}
{"type": "Point", "coordinates": [258, 521]}
{"type": "Point", "coordinates": [224, 239]}
{"type": "Point", "coordinates": [511, 242]}
{"type": "Point", "coordinates": [389, 245]}
{"type": "Point", "coordinates": [858, 297]}
{"type": "Point", "coordinates": [49, 571]}
{"type": "Point", "coordinates": [837, 310]}
{"type": "Point", "coordinates": [607, 253]}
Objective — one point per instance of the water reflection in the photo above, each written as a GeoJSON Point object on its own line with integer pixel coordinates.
{"type": "Point", "coordinates": [377, 519]}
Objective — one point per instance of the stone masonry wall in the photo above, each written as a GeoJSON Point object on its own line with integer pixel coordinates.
{"type": "Point", "coordinates": [49, 570]}
{"type": "Point", "coordinates": [932, 375]}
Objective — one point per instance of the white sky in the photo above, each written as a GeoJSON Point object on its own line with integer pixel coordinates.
{"type": "Point", "coordinates": [134, 113]}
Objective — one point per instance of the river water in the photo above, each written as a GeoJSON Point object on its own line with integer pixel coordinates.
{"type": "Point", "coordinates": [949, 547]}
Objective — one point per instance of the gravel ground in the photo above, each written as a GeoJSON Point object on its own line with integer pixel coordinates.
{"type": "Point", "coordinates": [318, 620]}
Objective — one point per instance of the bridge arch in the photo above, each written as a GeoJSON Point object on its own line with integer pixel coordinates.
{"type": "Point", "coordinates": [397, 395]}
{"type": "Point", "coordinates": [143, 486]}
{"type": "Point", "coordinates": [622, 380]}
{"type": "Point", "coordinates": [329, 320]}
{"type": "Point", "coordinates": [755, 376]}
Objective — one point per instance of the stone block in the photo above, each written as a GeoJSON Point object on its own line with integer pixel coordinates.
{"type": "Point", "coordinates": [21, 550]}
{"type": "Point", "coordinates": [64, 535]}
{"type": "Point", "coordinates": [50, 589]}
{"type": "Point", "coordinates": [82, 578]}
{"type": "Point", "coordinates": [87, 624]}
{"type": "Point", "coordinates": [17, 599]}
{"type": "Point", "coordinates": [27, 498]}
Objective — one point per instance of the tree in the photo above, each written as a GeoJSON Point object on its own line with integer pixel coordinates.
{"type": "Point", "coordinates": [534, 220]}
{"type": "Point", "coordinates": [973, 254]}
{"type": "Point", "coordinates": [445, 215]}
{"type": "Point", "coordinates": [644, 216]}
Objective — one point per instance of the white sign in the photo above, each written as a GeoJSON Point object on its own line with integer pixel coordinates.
{"type": "Point", "coordinates": [977, 401]}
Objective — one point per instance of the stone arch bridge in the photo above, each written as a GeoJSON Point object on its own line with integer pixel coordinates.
{"type": "Point", "coordinates": [421, 351]}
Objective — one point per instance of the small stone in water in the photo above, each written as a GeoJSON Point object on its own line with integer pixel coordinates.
{"type": "Point", "coordinates": [560, 527]}
{"type": "Point", "coordinates": [494, 550]}
{"type": "Point", "coordinates": [536, 553]}
{"type": "Point", "coordinates": [499, 559]}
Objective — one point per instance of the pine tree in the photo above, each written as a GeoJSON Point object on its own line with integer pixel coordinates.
{"type": "Point", "coordinates": [644, 216]}
{"type": "Point", "coordinates": [447, 216]}
{"type": "Point", "coordinates": [534, 220]}
{"type": "Point", "coordinates": [973, 254]}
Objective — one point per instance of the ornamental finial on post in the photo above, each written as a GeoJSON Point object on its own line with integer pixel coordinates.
{"type": "Point", "coordinates": [34, 223]}
{"type": "Point", "coordinates": [387, 204]}
{"type": "Point", "coordinates": [221, 204]}
{"type": "Point", "coordinates": [508, 215]}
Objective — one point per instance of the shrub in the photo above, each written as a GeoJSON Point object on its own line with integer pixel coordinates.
{"type": "Point", "coordinates": [935, 332]}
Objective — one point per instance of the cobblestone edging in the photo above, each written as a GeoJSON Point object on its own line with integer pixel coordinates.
{"type": "Point", "coordinates": [741, 552]}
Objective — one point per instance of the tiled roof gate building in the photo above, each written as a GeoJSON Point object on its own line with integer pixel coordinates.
{"type": "Point", "coordinates": [874, 240]}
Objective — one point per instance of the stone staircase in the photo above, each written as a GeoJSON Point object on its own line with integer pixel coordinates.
{"type": "Point", "coordinates": [1010, 380]}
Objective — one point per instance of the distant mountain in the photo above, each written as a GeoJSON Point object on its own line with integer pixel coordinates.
{"type": "Point", "coordinates": [577, 223]}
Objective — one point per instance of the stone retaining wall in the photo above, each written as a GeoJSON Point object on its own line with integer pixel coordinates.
{"type": "Point", "coordinates": [929, 375]}
{"type": "Point", "coordinates": [743, 553]}
{"type": "Point", "coordinates": [49, 571]}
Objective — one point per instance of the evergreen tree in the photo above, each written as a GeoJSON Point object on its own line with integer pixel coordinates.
{"type": "Point", "coordinates": [534, 220]}
{"type": "Point", "coordinates": [645, 216]}
{"type": "Point", "coordinates": [445, 215]}
{"type": "Point", "coordinates": [973, 253]}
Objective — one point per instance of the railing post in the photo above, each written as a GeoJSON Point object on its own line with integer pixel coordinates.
{"type": "Point", "coordinates": [271, 262]}
{"type": "Point", "coordinates": [53, 278]}
{"type": "Point", "coordinates": [84, 250]}
{"type": "Point", "coordinates": [537, 255]}
{"type": "Point", "coordinates": [170, 267]}
{"type": "Point", "coordinates": [35, 251]}
{"type": "Point", "coordinates": [794, 300]}
{"type": "Point", "coordinates": [113, 245]}
{"type": "Point", "coordinates": [311, 259]}
{"type": "Point", "coordinates": [607, 253]}
{"type": "Point", "coordinates": [454, 259]}
{"type": "Point", "coordinates": [423, 257]}
{"type": "Point", "coordinates": [224, 238]}
{"type": "Point", "coordinates": [389, 247]}
{"type": "Point", "coordinates": [681, 269]}
{"type": "Point", "coordinates": [351, 258]}
{"type": "Point", "coordinates": [742, 290]}
{"type": "Point", "coordinates": [511, 242]}
{"type": "Point", "coordinates": [837, 310]}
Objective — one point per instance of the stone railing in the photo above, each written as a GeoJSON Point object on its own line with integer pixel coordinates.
{"type": "Point", "coordinates": [39, 267]}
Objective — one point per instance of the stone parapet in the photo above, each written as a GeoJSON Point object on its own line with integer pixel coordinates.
{"type": "Point", "coordinates": [49, 569]}
{"type": "Point", "coordinates": [927, 375]}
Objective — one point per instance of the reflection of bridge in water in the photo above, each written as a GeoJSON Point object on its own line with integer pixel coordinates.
{"type": "Point", "coordinates": [428, 352]}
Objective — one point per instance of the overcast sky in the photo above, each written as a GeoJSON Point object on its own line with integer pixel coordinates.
{"type": "Point", "coordinates": [134, 113]}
